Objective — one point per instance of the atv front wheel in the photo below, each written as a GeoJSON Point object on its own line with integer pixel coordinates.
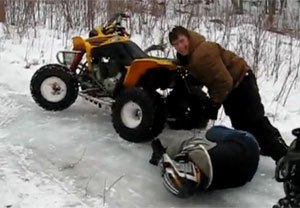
{"type": "Point", "coordinates": [53, 87]}
{"type": "Point", "coordinates": [138, 115]}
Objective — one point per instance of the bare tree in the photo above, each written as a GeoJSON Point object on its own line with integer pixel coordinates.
{"type": "Point", "coordinates": [270, 10]}
{"type": "Point", "coordinates": [238, 6]}
{"type": "Point", "coordinates": [90, 13]}
{"type": "Point", "coordinates": [2, 11]}
{"type": "Point", "coordinates": [283, 4]}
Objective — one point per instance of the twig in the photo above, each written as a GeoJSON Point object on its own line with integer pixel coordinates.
{"type": "Point", "coordinates": [115, 182]}
{"type": "Point", "coordinates": [88, 183]}
{"type": "Point", "coordinates": [72, 165]}
{"type": "Point", "coordinates": [105, 189]}
{"type": "Point", "coordinates": [104, 192]}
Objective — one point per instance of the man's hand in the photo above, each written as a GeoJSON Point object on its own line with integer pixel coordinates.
{"type": "Point", "coordinates": [212, 109]}
{"type": "Point", "coordinates": [182, 60]}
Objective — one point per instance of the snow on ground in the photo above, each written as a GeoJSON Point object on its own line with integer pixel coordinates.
{"type": "Point", "coordinates": [74, 158]}
{"type": "Point", "coordinates": [22, 187]}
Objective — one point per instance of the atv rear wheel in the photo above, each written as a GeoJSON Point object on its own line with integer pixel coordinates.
{"type": "Point", "coordinates": [138, 115]}
{"type": "Point", "coordinates": [53, 87]}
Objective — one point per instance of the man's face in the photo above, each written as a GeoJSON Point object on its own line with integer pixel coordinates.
{"type": "Point", "coordinates": [181, 45]}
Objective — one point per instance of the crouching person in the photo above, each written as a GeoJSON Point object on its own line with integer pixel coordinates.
{"type": "Point", "coordinates": [225, 158]}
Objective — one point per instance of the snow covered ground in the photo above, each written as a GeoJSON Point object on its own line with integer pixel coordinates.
{"type": "Point", "coordinates": [74, 158]}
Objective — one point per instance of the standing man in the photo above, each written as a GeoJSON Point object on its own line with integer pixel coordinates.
{"type": "Point", "coordinates": [230, 83]}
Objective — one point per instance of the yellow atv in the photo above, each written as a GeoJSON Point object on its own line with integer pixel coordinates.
{"type": "Point", "coordinates": [109, 69]}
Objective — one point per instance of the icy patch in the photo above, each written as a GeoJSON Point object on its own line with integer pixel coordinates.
{"type": "Point", "coordinates": [22, 187]}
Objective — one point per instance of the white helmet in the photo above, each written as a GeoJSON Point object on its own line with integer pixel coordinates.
{"type": "Point", "coordinates": [181, 178]}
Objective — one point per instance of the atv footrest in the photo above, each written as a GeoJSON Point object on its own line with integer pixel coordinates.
{"type": "Point", "coordinates": [100, 101]}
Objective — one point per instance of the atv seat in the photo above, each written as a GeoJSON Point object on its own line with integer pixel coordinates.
{"type": "Point", "coordinates": [124, 52]}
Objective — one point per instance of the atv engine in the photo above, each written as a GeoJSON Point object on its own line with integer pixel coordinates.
{"type": "Point", "coordinates": [108, 73]}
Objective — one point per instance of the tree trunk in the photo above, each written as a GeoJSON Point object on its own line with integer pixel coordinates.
{"type": "Point", "coordinates": [2, 11]}
{"type": "Point", "coordinates": [270, 10]}
{"type": "Point", "coordinates": [283, 4]}
{"type": "Point", "coordinates": [241, 7]}
{"type": "Point", "coordinates": [272, 7]}
{"type": "Point", "coordinates": [237, 6]}
{"type": "Point", "coordinates": [90, 13]}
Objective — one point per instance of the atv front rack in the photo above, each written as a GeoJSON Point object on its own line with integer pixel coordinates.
{"type": "Point", "coordinates": [67, 58]}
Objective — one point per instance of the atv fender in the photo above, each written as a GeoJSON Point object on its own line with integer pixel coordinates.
{"type": "Point", "coordinates": [140, 67]}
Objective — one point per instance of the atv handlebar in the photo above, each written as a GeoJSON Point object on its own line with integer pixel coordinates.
{"type": "Point", "coordinates": [114, 25]}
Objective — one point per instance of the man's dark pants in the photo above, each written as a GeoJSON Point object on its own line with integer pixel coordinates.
{"type": "Point", "coordinates": [246, 112]}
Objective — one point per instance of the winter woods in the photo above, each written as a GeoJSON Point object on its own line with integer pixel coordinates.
{"type": "Point", "coordinates": [265, 32]}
